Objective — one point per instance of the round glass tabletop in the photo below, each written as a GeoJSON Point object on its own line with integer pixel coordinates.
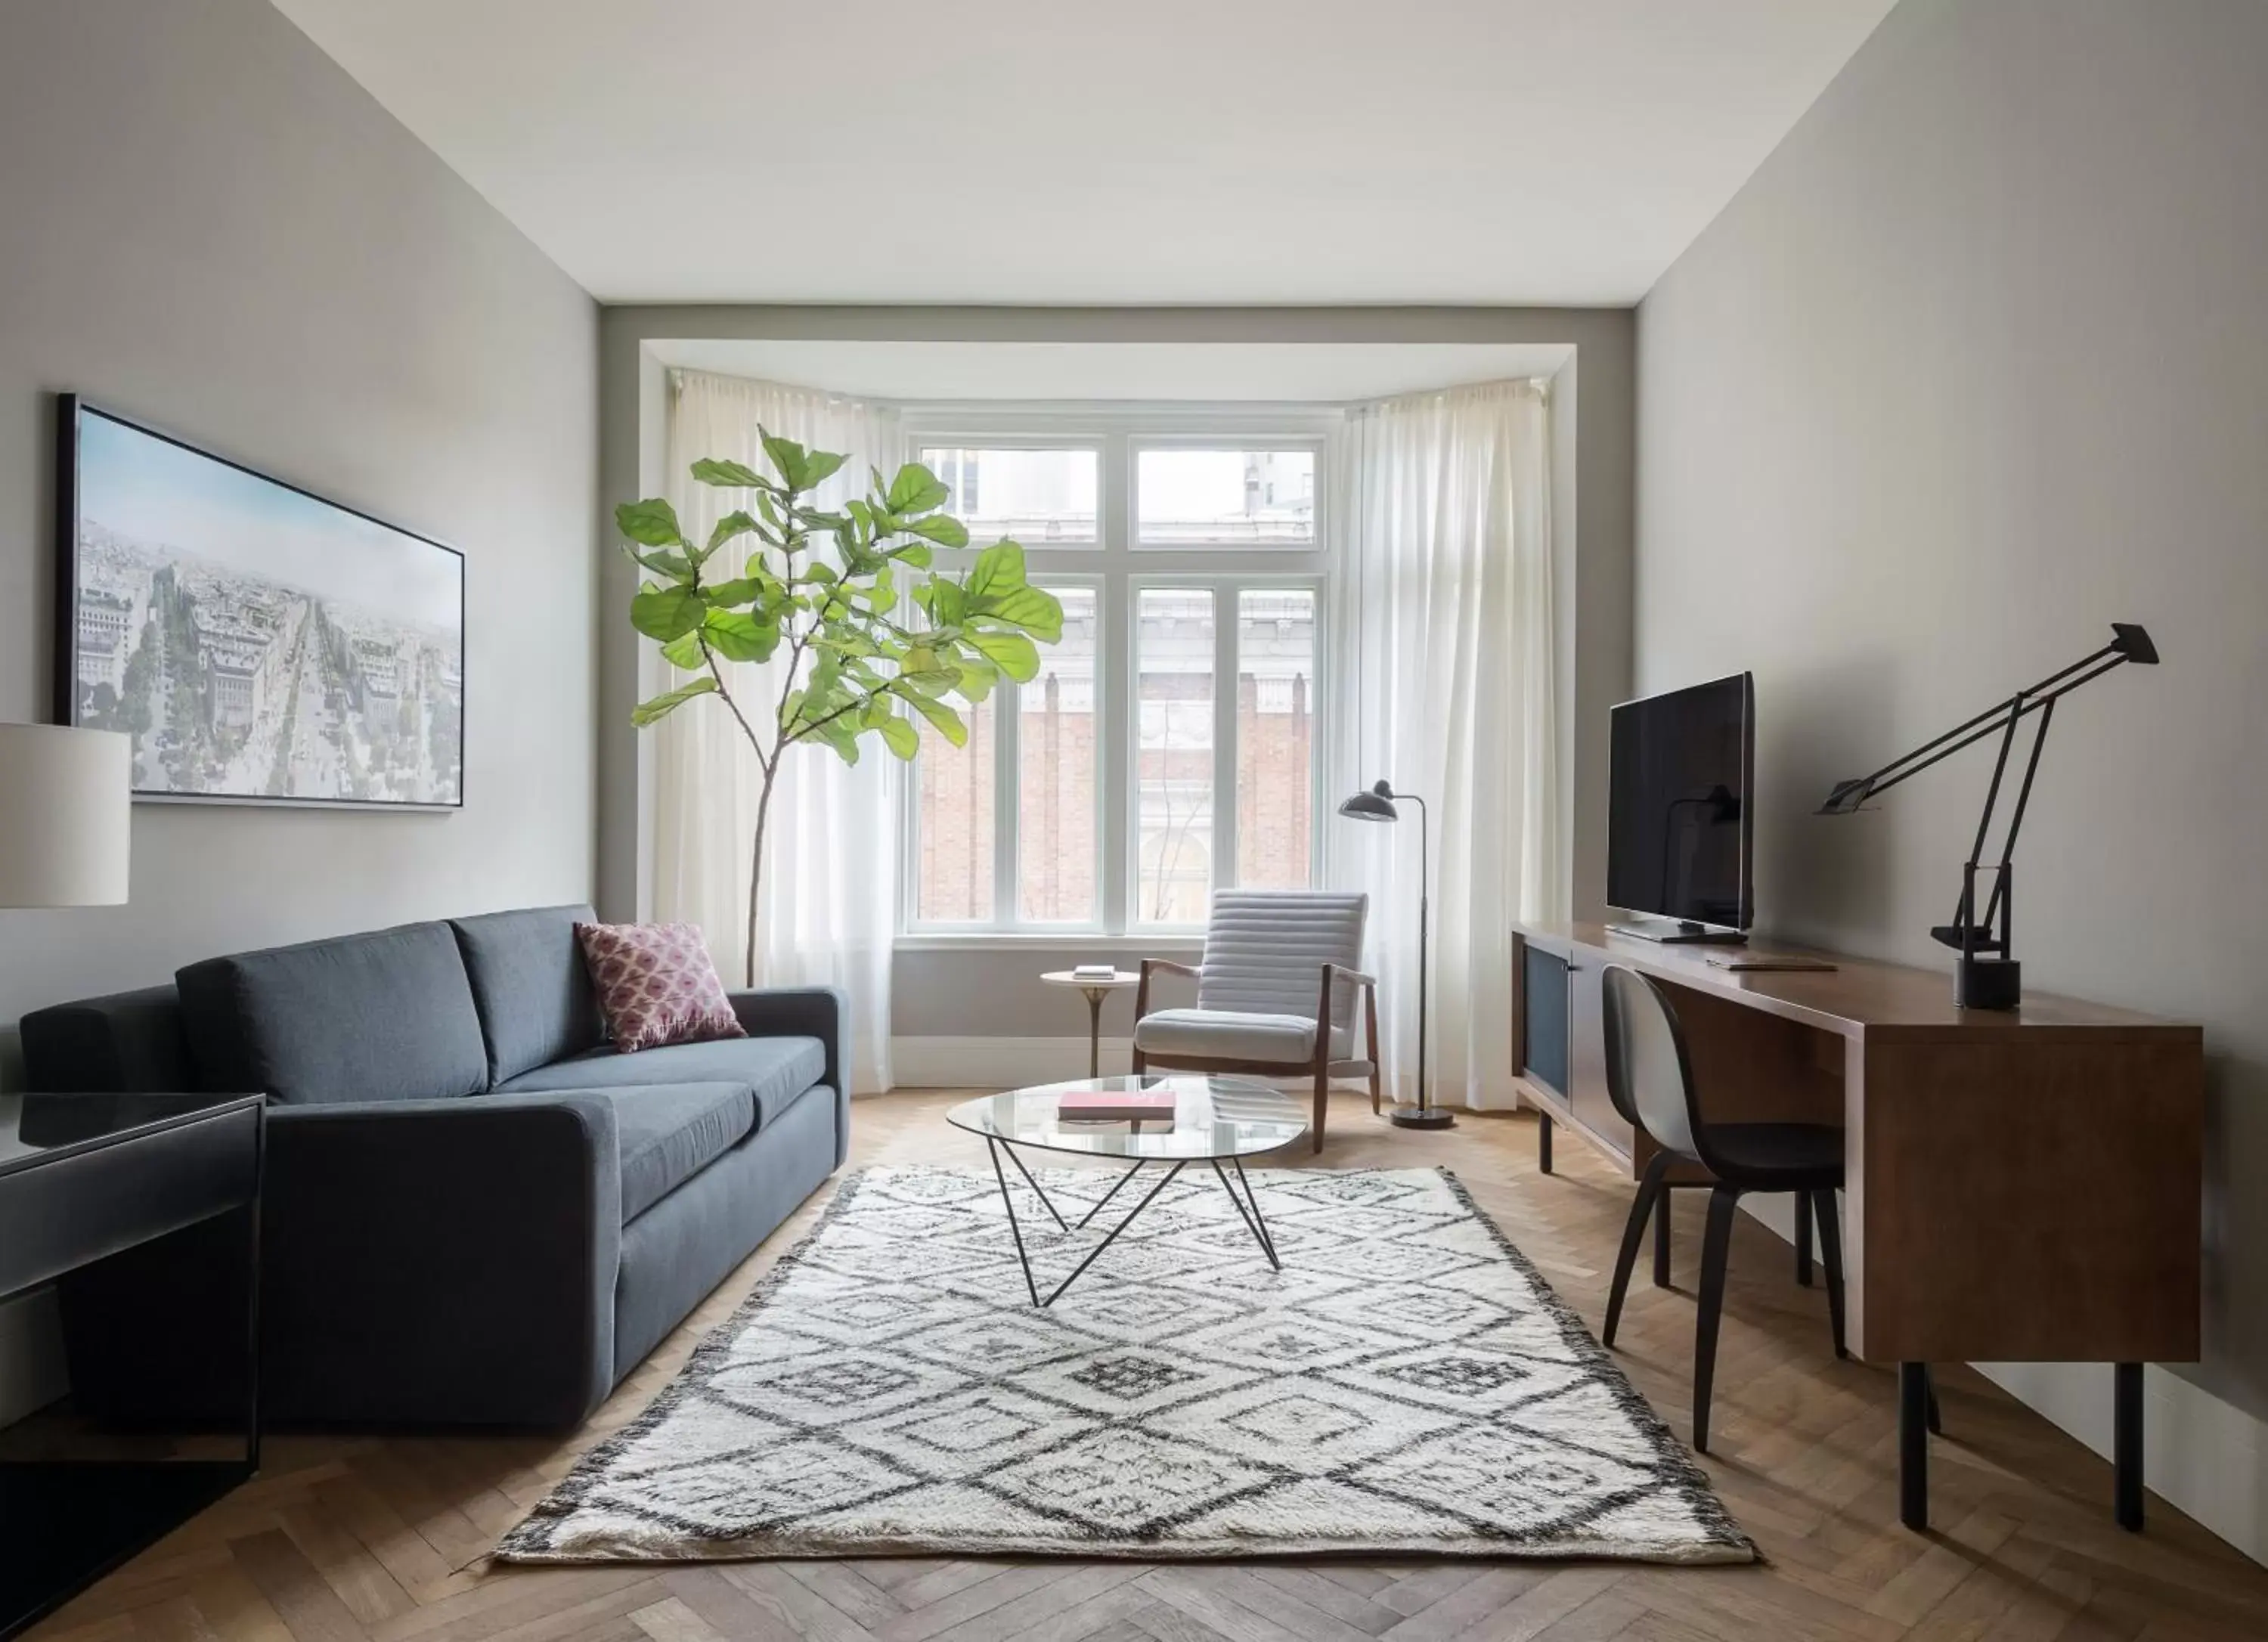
{"type": "Point", "coordinates": [1212, 1117]}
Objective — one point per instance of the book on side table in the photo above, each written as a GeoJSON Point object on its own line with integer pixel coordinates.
{"type": "Point", "coordinates": [1115, 1106]}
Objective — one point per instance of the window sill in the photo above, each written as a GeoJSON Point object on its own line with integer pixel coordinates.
{"type": "Point", "coordinates": [1163, 941]}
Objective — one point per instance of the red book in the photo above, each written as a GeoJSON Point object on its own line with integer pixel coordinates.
{"type": "Point", "coordinates": [1115, 1106]}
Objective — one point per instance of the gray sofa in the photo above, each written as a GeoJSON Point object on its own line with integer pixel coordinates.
{"type": "Point", "coordinates": [476, 1212]}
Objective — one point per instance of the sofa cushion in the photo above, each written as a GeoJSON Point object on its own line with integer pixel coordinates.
{"type": "Point", "coordinates": [529, 985]}
{"type": "Point", "coordinates": [1235, 1034]}
{"type": "Point", "coordinates": [775, 1070]}
{"type": "Point", "coordinates": [387, 1016]}
{"type": "Point", "coordinates": [669, 1132]}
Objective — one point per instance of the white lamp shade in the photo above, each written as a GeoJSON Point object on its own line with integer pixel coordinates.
{"type": "Point", "coordinates": [66, 809]}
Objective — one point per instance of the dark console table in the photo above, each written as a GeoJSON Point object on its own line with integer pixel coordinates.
{"type": "Point", "coordinates": [84, 1178]}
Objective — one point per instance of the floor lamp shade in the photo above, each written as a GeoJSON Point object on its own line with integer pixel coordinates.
{"type": "Point", "coordinates": [65, 816]}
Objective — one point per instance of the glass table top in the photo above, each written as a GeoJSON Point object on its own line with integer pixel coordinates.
{"type": "Point", "coordinates": [1213, 1117]}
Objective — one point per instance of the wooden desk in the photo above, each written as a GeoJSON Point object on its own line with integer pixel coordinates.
{"type": "Point", "coordinates": [2023, 1186]}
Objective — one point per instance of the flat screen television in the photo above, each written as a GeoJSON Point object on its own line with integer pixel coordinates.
{"type": "Point", "coordinates": [1681, 770]}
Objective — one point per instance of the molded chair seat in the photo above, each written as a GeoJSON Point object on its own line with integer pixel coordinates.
{"type": "Point", "coordinates": [1781, 1157]}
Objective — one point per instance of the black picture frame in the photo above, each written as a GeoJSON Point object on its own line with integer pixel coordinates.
{"type": "Point", "coordinates": [70, 707]}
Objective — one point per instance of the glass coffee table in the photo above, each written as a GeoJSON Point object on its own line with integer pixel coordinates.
{"type": "Point", "coordinates": [1215, 1120]}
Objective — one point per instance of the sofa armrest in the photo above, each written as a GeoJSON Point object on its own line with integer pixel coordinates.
{"type": "Point", "coordinates": [806, 1012]}
{"type": "Point", "coordinates": [455, 1255]}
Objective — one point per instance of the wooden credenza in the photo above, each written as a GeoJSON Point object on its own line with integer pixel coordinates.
{"type": "Point", "coordinates": [2023, 1186]}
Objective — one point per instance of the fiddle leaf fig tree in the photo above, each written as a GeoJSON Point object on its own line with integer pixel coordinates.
{"type": "Point", "coordinates": [868, 637]}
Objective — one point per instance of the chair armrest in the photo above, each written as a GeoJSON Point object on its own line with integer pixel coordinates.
{"type": "Point", "coordinates": [1169, 966]}
{"type": "Point", "coordinates": [429, 1255]}
{"type": "Point", "coordinates": [808, 1011]}
{"type": "Point", "coordinates": [1354, 976]}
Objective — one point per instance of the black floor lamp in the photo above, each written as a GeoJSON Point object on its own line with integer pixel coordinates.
{"type": "Point", "coordinates": [1377, 805]}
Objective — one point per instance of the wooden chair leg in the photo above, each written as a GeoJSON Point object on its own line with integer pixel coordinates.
{"type": "Point", "coordinates": [1821, 1208]}
{"type": "Point", "coordinates": [1323, 1100]}
{"type": "Point", "coordinates": [1651, 1199]}
{"type": "Point", "coordinates": [1715, 1247]}
{"type": "Point", "coordinates": [1662, 1241]}
{"type": "Point", "coordinates": [1370, 1037]}
{"type": "Point", "coordinates": [1803, 1240]}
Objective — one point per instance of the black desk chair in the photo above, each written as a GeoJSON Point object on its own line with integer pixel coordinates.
{"type": "Point", "coordinates": [1651, 1081]}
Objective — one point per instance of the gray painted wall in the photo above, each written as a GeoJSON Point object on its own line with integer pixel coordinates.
{"type": "Point", "coordinates": [1977, 362]}
{"type": "Point", "coordinates": [210, 225]}
{"type": "Point", "coordinates": [937, 991]}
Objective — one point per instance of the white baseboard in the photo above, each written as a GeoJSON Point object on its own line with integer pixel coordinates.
{"type": "Point", "coordinates": [32, 1373]}
{"type": "Point", "coordinates": [2205, 1457]}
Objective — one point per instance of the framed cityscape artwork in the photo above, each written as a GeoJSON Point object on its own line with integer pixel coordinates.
{"type": "Point", "coordinates": [261, 645]}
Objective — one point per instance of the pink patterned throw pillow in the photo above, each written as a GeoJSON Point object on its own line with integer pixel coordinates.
{"type": "Point", "coordinates": [656, 984]}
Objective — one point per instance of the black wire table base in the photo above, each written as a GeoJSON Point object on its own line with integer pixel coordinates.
{"type": "Point", "coordinates": [1248, 1209]}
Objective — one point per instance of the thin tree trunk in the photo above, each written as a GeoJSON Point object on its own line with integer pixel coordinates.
{"type": "Point", "coordinates": [756, 881]}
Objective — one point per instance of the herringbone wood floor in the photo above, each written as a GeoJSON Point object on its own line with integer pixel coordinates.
{"type": "Point", "coordinates": [345, 1538]}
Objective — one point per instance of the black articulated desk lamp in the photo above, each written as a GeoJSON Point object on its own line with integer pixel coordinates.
{"type": "Point", "coordinates": [1988, 975]}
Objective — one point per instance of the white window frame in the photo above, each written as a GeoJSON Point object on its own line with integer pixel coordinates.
{"type": "Point", "coordinates": [1118, 568]}
{"type": "Point", "coordinates": [1312, 445]}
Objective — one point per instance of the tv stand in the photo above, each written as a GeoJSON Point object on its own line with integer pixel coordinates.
{"type": "Point", "coordinates": [1680, 932]}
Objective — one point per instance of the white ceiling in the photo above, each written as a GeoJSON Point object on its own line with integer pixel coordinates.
{"type": "Point", "coordinates": [1274, 152]}
{"type": "Point", "coordinates": [1270, 373]}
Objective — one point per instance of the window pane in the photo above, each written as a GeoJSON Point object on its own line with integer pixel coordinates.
{"type": "Point", "coordinates": [1252, 498]}
{"type": "Point", "coordinates": [1275, 737]}
{"type": "Point", "coordinates": [1056, 753]}
{"type": "Point", "coordinates": [1173, 655]}
{"type": "Point", "coordinates": [953, 818]}
{"type": "Point", "coordinates": [1042, 498]}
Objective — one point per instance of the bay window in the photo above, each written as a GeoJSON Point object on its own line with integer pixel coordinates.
{"type": "Point", "coordinates": [1167, 747]}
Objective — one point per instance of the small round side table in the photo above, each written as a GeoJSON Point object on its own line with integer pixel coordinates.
{"type": "Point", "coordinates": [1097, 987]}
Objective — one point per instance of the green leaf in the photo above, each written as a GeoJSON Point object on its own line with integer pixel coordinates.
{"type": "Point", "coordinates": [652, 521]}
{"type": "Point", "coordinates": [1014, 654]}
{"type": "Point", "coordinates": [900, 736]}
{"type": "Point", "coordinates": [1036, 611]}
{"type": "Point", "coordinates": [946, 721]}
{"type": "Point", "coordinates": [977, 676]}
{"type": "Point", "coordinates": [819, 466]}
{"type": "Point", "coordinates": [914, 553]}
{"type": "Point", "coordinates": [731, 475]}
{"type": "Point", "coordinates": [737, 523]}
{"type": "Point", "coordinates": [942, 528]}
{"type": "Point", "coordinates": [676, 566]}
{"type": "Point", "coordinates": [788, 457]}
{"type": "Point", "coordinates": [948, 604]}
{"type": "Point", "coordinates": [685, 652]}
{"type": "Point", "coordinates": [916, 490]}
{"type": "Point", "coordinates": [738, 636]}
{"type": "Point", "coordinates": [666, 613]}
{"type": "Point", "coordinates": [661, 706]}
{"type": "Point", "coordinates": [725, 595]}
{"type": "Point", "coordinates": [999, 569]}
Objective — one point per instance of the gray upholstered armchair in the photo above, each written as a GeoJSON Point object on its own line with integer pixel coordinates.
{"type": "Point", "coordinates": [1275, 995]}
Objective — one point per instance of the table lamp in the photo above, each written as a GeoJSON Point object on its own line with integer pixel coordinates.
{"type": "Point", "coordinates": [66, 809]}
{"type": "Point", "coordinates": [1376, 804]}
{"type": "Point", "coordinates": [1986, 974]}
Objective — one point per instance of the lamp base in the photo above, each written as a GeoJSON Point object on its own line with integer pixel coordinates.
{"type": "Point", "coordinates": [1988, 983]}
{"type": "Point", "coordinates": [1421, 1118]}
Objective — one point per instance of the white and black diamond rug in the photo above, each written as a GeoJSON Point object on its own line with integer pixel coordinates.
{"type": "Point", "coordinates": [1407, 1384]}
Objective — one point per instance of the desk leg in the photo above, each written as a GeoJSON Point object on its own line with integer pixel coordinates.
{"type": "Point", "coordinates": [2126, 1445]}
{"type": "Point", "coordinates": [1542, 1141]}
{"type": "Point", "coordinates": [1913, 1445]}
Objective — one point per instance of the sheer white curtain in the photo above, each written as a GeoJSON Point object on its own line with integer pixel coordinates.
{"type": "Point", "coordinates": [1440, 600]}
{"type": "Point", "coordinates": [831, 845]}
